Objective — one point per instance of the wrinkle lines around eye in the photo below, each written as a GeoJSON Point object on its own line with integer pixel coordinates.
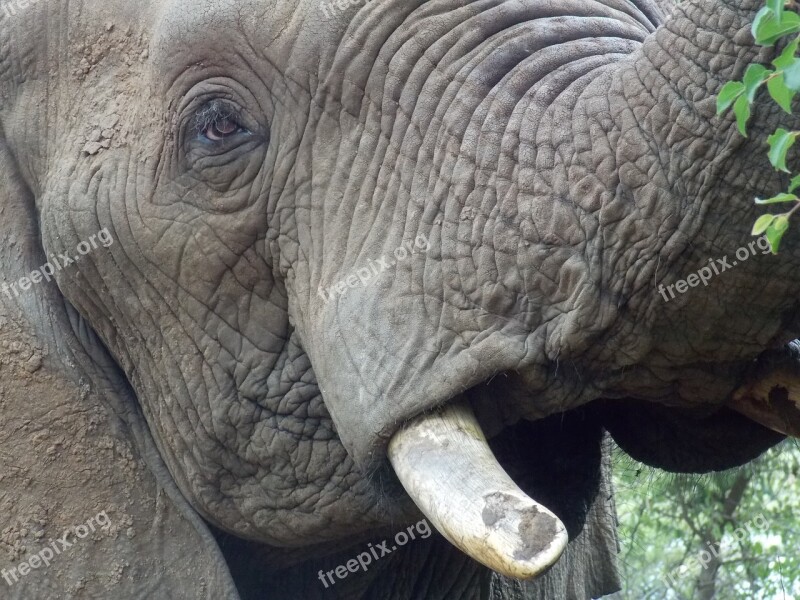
{"type": "Point", "coordinates": [154, 267]}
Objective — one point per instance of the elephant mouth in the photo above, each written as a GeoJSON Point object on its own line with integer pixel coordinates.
{"type": "Point", "coordinates": [772, 401]}
{"type": "Point", "coordinates": [444, 462]}
{"type": "Point", "coordinates": [770, 393]}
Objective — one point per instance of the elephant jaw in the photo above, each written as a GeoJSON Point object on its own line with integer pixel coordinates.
{"type": "Point", "coordinates": [444, 462]}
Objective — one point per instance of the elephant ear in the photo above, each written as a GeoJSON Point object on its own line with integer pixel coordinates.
{"type": "Point", "coordinates": [82, 486]}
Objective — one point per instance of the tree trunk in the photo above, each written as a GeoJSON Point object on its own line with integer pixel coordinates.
{"type": "Point", "coordinates": [706, 585]}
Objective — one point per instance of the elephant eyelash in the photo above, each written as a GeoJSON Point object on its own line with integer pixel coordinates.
{"type": "Point", "coordinates": [214, 113]}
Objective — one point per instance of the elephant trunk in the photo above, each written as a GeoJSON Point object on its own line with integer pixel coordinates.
{"type": "Point", "coordinates": [481, 259]}
{"type": "Point", "coordinates": [526, 193]}
{"type": "Point", "coordinates": [673, 186]}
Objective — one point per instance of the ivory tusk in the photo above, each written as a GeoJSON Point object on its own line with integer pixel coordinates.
{"type": "Point", "coordinates": [444, 462]}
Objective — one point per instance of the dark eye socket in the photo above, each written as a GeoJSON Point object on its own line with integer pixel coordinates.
{"type": "Point", "coordinates": [218, 121]}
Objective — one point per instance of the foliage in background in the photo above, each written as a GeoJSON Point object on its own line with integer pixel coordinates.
{"type": "Point", "coordinates": [772, 24]}
{"type": "Point", "coordinates": [667, 521]}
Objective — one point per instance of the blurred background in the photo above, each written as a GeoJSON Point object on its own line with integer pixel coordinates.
{"type": "Point", "coordinates": [731, 535]}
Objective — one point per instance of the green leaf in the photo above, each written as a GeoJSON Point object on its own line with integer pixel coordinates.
{"type": "Point", "coordinates": [768, 28]}
{"type": "Point", "coordinates": [741, 108]}
{"type": "Point", "coordinates": [791, 75]}
{"type": "Point", "coordinates": [776, 6]}
{"type": "Point", "coordinates": [762, 223]}
{"type": "Point", "coordinates": [787, 56]}
{"type": "Point", "coordinates": [779, 144]}
{"type": "Point", "coordinates": [762, 17]}
{"type": "Point", "coordinates": [728, 94]}
{"type": "Point", "coordinates": [780, 93]}
{"type": "Point", "coordinates": [781, 223]}
{"type": "Point", "coordinates": [777, 199]}
{"type": "Point", "coordinates": [753, 78]}
{"type": "Point", "coordinates": [775, 232]}
{"type": "Point", "coordinates": [794, 183]}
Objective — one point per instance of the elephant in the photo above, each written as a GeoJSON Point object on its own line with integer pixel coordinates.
{"type": "Point", "coordinates": [284, 280]}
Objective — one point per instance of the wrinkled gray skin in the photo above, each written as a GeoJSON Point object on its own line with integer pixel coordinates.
{"type": "Point", "coordinates": [561, 159]}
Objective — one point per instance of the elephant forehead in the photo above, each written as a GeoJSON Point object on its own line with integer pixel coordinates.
{"type": "Point", "coordinates": [310, 34]}
{"type": "Point", "coordinates": [211, 33]}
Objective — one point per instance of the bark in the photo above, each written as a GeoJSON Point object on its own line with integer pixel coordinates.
{"type": "Point", "coordinates": [706, 582]}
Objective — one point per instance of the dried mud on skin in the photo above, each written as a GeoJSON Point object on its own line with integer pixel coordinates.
{"type": "Point", "coordinates": [54, 449]}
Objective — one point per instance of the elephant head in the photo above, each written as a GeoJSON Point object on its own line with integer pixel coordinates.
{"type": "Point", "coordinates": [313, 255]}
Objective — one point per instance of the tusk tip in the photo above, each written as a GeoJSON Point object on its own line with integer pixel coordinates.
{"type": "Point", "coordinates": [523, 539]}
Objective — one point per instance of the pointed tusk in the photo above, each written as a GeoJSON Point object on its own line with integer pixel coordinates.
{"type": "Point", "coordinates": [444, 462]}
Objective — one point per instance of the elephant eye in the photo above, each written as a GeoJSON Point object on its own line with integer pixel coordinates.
{"type": "Point", "coordinates": [217, 121]}
{"type": "Point", "coordinates": [222, 129]}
